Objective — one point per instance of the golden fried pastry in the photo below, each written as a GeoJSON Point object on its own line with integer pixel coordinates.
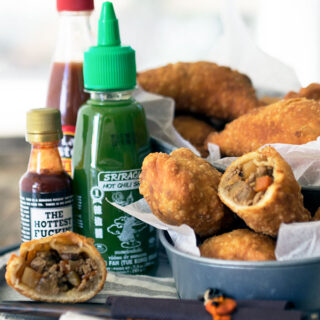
{"type": "Point", "coordinates": [316, 216]}
{"type": "Point", "coordinates": [265, 101]}
{"type": "Point", "coordinates": [193, 130]}
{"type": "Point", "coordinates": [202, 87]}
{"type": "Point", "coordinates": [261, 189]}
{"type": "Point", "coordinates": [181, 188]}
{"type": "Point", "coordinates": [65, 268]}
{"type": "Point", "coordinates": [241, 244]}
{"type": "Point", "coordinates": [294, 121]}
{"type": "Point", "coordinates": [312, 91]}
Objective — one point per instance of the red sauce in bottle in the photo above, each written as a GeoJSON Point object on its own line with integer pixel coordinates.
{"type": "Point", "coordinates": [66, 93]}
{"type": "Point", "coordinates": [45, 182]}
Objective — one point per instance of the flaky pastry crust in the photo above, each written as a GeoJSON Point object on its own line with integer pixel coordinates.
{"type": "Point", "coordinates": [241, 244]}
{"type": "Point", "coordinates": [312, 91]}
{"type": "Point", "coordinates": [67, 242]}
{"type": "Point", "coordinates": [294, 121]}
{"type": "Point", "coordinates": [181, 188]}
{"type": "Point", "coordinates": [202, 87]}
{"type": "Point", "coordinates": [316, 216]}
{"type": "Point", "coordinates": [194, 130]}
{"type": "Point", "coordinates": [282, 201]}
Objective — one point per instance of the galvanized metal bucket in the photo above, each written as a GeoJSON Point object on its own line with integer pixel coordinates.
{"type": "Point", "coordinates": [295, 281]}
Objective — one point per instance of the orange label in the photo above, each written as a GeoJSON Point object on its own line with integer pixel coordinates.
{"type": "Point", "coordinates": [66, 147]}
{"type": "Point", "coordinates": [67, 165]}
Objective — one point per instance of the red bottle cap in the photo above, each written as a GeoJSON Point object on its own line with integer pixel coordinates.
{"type": "Point", "coordinates": [75, 5]}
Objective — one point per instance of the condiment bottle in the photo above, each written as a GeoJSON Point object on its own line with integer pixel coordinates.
{"type": "Point", "coordinates": [111, 142]}
{"type": "Point", "coordinates": [45, 189]}
{"type": "Point", "coordinates": [65, 90]}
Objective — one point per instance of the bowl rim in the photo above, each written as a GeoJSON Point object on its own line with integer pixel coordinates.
{"type": "Point", "coordinates": [235, 263]}
{"type": "Point", "coordinates": [310, 188]}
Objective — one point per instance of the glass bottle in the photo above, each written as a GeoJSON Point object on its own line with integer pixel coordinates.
{"type": "Point", "coordinates": [111, 142]}
{"type": "Point", "coordinates": [66, 91]}
{"type": "Point", "coordinates": [45, 189]}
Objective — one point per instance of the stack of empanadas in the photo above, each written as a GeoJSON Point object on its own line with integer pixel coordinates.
{"type": "Point", "coordinates": [258, 187]}
{"type": "Point", "coordinates": [218, 95]}
{"type": "Point", "coordinates": [206, 95]}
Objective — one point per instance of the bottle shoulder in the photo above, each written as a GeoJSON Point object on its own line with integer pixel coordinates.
{"type": "Point", "coordinates": [108, 107]}
{"type": "Point", "coordinates": [110, 136]}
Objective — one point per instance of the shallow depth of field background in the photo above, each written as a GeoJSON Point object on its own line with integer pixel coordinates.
{"type": "Point", "coordinates": [161, 31]}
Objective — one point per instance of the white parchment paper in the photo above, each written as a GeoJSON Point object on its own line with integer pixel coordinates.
{"type": "Point", "coordinates": [160, 113]}
{"type": "Point", "coordinates": [183, 236]}
{"type": "Point", "coordinates": [298, 240]}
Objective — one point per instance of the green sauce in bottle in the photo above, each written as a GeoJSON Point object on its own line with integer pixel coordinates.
{"type": "Point", "coordinates": [111, 142]}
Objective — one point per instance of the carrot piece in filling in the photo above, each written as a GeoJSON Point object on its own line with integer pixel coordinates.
{"type": "Point", "coordinates": [262, 183]}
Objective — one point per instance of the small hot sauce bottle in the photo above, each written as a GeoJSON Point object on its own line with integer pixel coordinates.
{"type": "Point", "coordinates": [45, 189]}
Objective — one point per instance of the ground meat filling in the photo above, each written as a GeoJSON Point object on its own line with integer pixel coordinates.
{"type": "Point", "coordinates": [248, 184]}
{"type": "Point", "coordinates": [53, 273]}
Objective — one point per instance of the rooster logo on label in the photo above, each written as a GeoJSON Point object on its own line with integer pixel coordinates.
{"type": "Point", "coordinates": [126, 228]}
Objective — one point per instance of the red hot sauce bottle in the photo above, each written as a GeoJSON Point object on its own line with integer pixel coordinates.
{"type": "Point", "coordinates": [66, 92]}
{"type": "Point", "coordinates": [45, 189]}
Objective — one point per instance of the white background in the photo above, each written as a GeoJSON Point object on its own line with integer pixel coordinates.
{"type": "Point", "coordinates": [160, 31]}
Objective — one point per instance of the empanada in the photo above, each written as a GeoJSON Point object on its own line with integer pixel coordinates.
{"type": "Point", "coordinates": [181, 188]}
{"type": "Point", "coordinates": [65, 267]}
{"type": "Point", "coordinates": [293, 121]}
{"type": "Point", "coordinates": [240, 244]}
{"type": "Point", "coordinates": [261, 189]}
{"type": "Point", "coordinates": [194, 130]}
{"type": "Point", "coordinates": [202, 87]}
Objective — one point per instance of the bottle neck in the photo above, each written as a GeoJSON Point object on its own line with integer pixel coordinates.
{"type": "Point", "coordinates": [74, 36]}
{"type": "Point", "coordinates": [45, 158]}
{"type": "Point", "coordinates": [110, 95]}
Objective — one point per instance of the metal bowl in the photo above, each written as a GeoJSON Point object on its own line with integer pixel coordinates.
{"type": "Point", "coordinates": [295, 281]}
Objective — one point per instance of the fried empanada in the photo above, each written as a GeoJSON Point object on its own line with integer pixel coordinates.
{"type": "Point", "coordinates": [316, 216]}
{"type": "Point", "coordinates": [261, 189]}
{"type": "Point", "coordinates": [312, 91]}
{"type": "Point", "coordinates": [265, 101]}
{"type": "Point", "coordinates": [241, 244]}
{"type": "Point", "coordinates": [65, 268]}
{"type": "Point", "coordinates": [193, 130]}
{"type": "Point", "coordinates": [294, 121]}
{"type": "Point", "coordinates": [202, 87]}
{"type": "Point", "coordinates": [181, 188]}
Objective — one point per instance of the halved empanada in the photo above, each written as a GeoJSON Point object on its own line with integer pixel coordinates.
{"type": "Point", "coordinates": [261, 188]}
{"type": "Point", "coordinates": [65, 267]}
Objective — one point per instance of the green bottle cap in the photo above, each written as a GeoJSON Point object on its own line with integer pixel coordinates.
{"type": "Point", "coordinates": [109, 66]}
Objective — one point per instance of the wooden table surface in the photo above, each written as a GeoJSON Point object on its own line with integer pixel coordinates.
{"type": "Point", "coordinates": [14, 155]}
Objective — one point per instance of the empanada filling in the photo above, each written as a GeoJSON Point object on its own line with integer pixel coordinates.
{"type": "Point", "coordinates": [51, 272]}
{"type": "Point", "coordinates": [248, 183]}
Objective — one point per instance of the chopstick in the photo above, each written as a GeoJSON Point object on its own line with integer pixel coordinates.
{"type": "Point", "coordinates": [55, 310]}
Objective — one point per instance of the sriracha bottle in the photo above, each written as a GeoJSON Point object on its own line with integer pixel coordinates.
{"type": "Point", "coordinates": [111, 142]}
